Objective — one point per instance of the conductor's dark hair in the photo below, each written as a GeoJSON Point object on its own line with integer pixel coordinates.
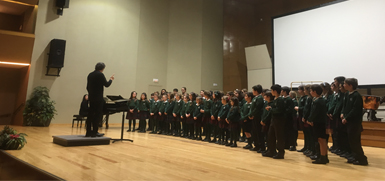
{"type": "Point", "coordinates": [100, 66]}
{"type": "Point", "coordinates": [257, 88]}
{"type": "Point", "coordinates": [316, 88]}
{"type": "Point", "coordinates": [276, 87]}
{"type": "Point", "coordinates": [353, 82]}
{"type": "Point", "coordinates": [340, 79]}
{"type": "Point", "coordinates": [286, 89]}
{"type": "Point", "coordinates": [175, 90]}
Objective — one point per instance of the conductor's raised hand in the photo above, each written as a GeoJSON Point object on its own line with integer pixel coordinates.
{"type": "Point", "coordinates": [112, 77]}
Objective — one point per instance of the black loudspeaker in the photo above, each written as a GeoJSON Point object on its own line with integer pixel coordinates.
{"type": "Point", "coordinates": [56, 53]}
{"type": "Point", "coordinates": [62, 3]}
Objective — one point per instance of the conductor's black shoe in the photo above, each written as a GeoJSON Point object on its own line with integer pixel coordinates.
{"type": "Point", "coordinates": [247, 147]}
{"type": "Point", "coordinates": [99, 134]}
{"type": "Point", "coordinates": [234, 145]}
{"type": "Point", "coordinates": [90, 135]}
{"type": "Point", "coordinates": [292, 148]}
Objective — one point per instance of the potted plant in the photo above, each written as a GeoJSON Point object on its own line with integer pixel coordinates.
{"type": "Point", "coordinates": [11, 140]}
{"type": "Point", "coordinates": [39, 109]}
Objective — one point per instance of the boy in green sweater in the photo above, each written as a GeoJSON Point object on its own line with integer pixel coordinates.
{"type": "Point", "coordinates": [162, 116]}
{"type": "Point", "coordinates": [266, 115]}
{"type": "Point", "coordinates": [352, 117]}
{"type": "Point", "coordinates": [317, 119]}
{"type": "Point", "coordinates": [276, 134]}
{"type": "Point", "coordinates": [255, 115]}
{"type": "Point", "coordinates": [176, 113]}
{"type": "Point", "coordinates": [154, 110]}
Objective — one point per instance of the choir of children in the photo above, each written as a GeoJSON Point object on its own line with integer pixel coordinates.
{"type": "Point", "coordinates": [265, 117]}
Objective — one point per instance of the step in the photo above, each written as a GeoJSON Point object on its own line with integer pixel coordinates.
{"type": "Point", "coordinates": [375, 141]}
{"type": "Point", "coordinates": [366, 140]}
{"type": "Point", "coordinates": [374, 131]}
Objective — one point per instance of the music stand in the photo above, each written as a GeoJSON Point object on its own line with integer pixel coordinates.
{"type": "Point", "coordinates": [121, 134]}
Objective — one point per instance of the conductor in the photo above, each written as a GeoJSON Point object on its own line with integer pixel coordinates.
{"type": "Point", "coordinates": [96, 81]}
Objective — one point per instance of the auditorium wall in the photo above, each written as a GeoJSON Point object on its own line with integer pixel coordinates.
{"type": "Point", "coordinates": [139, 40]}
{"type": "Point", "coordinates": [248, 23]}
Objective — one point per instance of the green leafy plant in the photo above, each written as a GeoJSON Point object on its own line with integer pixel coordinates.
{"type": "Point", "coordinates": [11, 140]}
{"type": "Point", "coordinates": [39, 109]}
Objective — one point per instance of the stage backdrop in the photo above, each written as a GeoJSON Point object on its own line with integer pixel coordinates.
{"type": "Point", "coordinates": [178, 42]}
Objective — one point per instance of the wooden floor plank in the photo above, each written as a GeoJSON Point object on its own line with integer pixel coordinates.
{"type": "Point", "coordinates": [159, 157]}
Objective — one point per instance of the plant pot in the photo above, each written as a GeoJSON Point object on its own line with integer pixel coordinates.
{"type": "Point", "coordinates": [12, 146]}
{"type": "Point", "coordinates": [38, 123]}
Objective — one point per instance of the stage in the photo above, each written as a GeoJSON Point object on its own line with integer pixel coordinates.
{"type": "Point", "coordinates": [159, 157]}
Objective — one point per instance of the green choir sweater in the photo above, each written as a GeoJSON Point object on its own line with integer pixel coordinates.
{"type": "Point", "coordinates": [318, 111]}
{"type": "Point", "coordinates": [256, 109]}
{"type": "Point", "coordinates": [352, 108]}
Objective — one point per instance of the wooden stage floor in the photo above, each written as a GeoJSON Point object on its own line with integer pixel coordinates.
{"type": "Point", "coordinates": [159, 157]}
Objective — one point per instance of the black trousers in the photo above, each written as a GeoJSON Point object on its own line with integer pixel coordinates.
{"type": "Point", "coordinates": [95, 115]}
{"type": "Point", "coordinates": [354, 136]}
{"type": "Point", "coordinates": [342, 136]}
{"type": "Point", "coordinates": [290, 139]}
{"type": "Point", "coordinates": [276, 136]}
{"type": "Point", "coordinates": [257, 134]}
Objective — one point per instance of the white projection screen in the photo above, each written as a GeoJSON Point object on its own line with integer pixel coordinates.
{"type": "Point", "coordinates": [341, 39]}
